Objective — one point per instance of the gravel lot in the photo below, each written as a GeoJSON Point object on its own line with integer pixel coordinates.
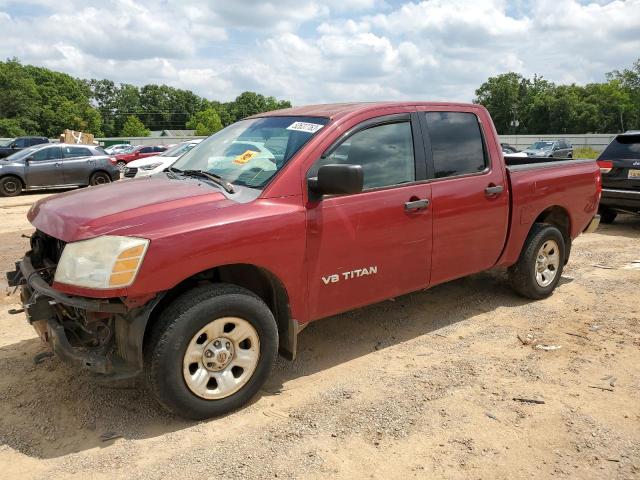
{"type": "Point", "coordinates": [419, 387]}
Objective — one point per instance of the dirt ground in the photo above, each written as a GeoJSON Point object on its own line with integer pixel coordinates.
{"type": "Point", "coordinates": [419, 387]}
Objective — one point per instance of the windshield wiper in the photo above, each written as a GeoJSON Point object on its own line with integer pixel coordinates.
{"type": "Point", "coordinates": [217, 179]}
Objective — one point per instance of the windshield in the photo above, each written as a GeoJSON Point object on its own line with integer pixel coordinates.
{"type": "Point", "coordinates": [6, 144]}
{"type": "Point", "coordinates": [541, 146]}
{"type": "Point", "coordinates": [178, 150]}
{"type": "Point", "coordinates": [250, 152]}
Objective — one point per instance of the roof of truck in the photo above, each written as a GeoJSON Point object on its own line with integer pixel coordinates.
{"type": "Point", "coordinates": [336, 110]}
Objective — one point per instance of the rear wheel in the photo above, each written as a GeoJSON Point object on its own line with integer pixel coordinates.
{"type": "Point", "coordinates": [10, 186]}
{"type": "Point", "coordinates": [99, 178]}
{"type": "Point", "coordinates": [537, 272]}
{"type": "Point", "coordinates": [607, 215]}
{"type": "Point", "coordinates": [211, 351]}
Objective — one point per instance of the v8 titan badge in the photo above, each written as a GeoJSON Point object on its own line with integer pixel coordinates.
{"type": "Point", "coordinates": [245, 157]}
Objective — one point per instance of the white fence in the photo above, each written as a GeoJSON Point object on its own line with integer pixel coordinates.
{"type": "Point", "coordinates": [596, 141]}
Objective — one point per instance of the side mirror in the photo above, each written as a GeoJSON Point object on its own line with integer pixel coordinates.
{"type": "Point", "coordinates": [337, 180]}
{"type": "Point", "coordinates": [13, 146]}
{"type": "Point", "coordinates": [28, 159]}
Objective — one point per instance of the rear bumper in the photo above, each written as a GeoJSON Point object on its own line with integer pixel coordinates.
{"type": "Point", "coordinates": [618, 198]}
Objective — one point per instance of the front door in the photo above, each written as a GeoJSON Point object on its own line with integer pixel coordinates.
{"type": "Point", "coordinates": [44, 168]}
{"type": "Point", "coordinates": [77, 164]}
{"type": "Point", "coordinates": [469, 192]}
{"type": "Point", "coordinates": [373, 245]}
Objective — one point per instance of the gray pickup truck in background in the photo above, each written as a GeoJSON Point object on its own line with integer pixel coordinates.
{"type": "Point", "coordinates": [55, 166]}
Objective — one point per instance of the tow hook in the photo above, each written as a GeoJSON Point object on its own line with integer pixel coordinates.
{"type": "Point", "coordinates": [15, 311]}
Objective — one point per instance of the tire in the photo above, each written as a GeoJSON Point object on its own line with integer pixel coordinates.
{"type": "Point", "coordinates": [99, 178]}
{"type": "Point", "coordinates": [121, 166]}
{"type": "Point", "coordinates": [607, 215]}
{"type": "Point", "coordinates": [10, 186]}
{"type": "Point", "coordinates": [525, 275]}
{"type": "Point", "coordinates": [181, 326]}
{"type": "Point", "coordinates": [570, 155]}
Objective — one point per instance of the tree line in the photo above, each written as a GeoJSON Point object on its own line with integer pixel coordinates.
{"type": "Point", "coordinates": [40, 101]}
{"type": "Point", "coordinates": [538, 106]}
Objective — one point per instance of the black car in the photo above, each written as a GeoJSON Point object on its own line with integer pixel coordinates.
{"type": "Point", "coordinates": [19, 143]}
{"type": "Point", "coordinates": [55, 166]}
{"type": "Point", "coordinates": [620, 167]}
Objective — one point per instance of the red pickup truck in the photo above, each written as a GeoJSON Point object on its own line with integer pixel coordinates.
{"type": "Point", "coordinates": [196, 277]}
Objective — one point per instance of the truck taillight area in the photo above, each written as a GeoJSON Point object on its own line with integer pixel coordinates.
{"type": "Point", "coordinates": [605, 165]}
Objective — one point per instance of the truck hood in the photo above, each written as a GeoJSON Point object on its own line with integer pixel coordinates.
{"type": "Point", "coordinates": [130, 207]}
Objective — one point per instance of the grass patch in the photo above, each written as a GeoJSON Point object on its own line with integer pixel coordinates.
{"type": "Point", "coordinates": [585, 152]}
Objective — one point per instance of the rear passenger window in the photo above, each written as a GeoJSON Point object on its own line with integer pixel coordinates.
{"type": "Point", "coordinates": [70, 152]}
{"type": "Point", "coordinates": [456, 143]}
{"type": "Point", "coordinates": [385, 153]}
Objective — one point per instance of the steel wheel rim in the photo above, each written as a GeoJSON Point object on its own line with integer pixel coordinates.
{"type": "Point", "coordinates": [221, 358]}
{"type": "Point", "coordinates": [121, 166]}
{"type": "Point", "coordinates": [547, 263]}
{"type": "Point", "coordinates": [100, 180]}
{"type": "Point", "coordinates": [11, 186]}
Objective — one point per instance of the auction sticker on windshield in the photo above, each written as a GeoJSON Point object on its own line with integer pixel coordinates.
{"type": "Point", "coordinates": [305, 127]}
{"type": "Point", "coordinates": [245, 157]}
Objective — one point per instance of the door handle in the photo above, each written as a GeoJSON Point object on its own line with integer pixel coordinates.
{"type": "Point", "coordinates": [58, 164]}
{"type": "Point", "coordinates": [416, 205]}
{"type": "Point", "coordinates": [493, 190]}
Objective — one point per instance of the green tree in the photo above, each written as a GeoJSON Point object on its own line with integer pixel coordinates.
{"type": "Point", "coordinates": [133, 127]}
{"type": "Point", "coordinates": [502, 95]}
{"type": "Point", "coordinates": [250, 103]}
{"type": "Point", "coordinates": [205, 122]}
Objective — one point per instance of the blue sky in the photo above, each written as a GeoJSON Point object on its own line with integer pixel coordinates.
{"type": "Point", "coordinates": [312, 51]}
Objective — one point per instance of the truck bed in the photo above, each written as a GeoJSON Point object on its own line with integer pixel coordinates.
{"type": "Point", "coordinates": [536, 182]}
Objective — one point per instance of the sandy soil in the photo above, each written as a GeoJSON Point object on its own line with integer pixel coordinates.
{"type": "Point", "coordinates": [419, 387]}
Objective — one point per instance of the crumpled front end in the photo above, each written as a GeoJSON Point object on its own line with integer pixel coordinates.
{"type": "Point", "coordinates": [100, 335]}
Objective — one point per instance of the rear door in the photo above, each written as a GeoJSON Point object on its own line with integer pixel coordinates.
{"type": "Point", "coordinates": [376, 244]}
{"type": "Point", "coordinates": [78, 164]}
{"type": "Point", "coordinates": [44, 168]}
{"type": "Point", "coordinates": [624, 154]}
{"type": "Point", "coordinates": [470, 201]}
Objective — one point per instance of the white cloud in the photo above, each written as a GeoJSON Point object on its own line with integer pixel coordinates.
{"type": "Point", "coordinates": [331, 50]}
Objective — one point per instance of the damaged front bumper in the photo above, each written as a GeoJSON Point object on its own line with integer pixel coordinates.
{"type": "Point", "coordinates": [48, 311]}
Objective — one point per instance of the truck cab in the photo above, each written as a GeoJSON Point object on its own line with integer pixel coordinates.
{"type": "Point", "coordinates": [199, 275]}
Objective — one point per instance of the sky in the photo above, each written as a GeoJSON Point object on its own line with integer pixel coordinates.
{"type": "Point", "coordinates": [311, 51]}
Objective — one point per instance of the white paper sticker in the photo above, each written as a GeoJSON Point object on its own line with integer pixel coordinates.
{"type": "Point", "coordinates": [305, 127]}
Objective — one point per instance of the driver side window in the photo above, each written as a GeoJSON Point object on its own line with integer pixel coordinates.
{"type": "Point", "coordinates": [385, 153]}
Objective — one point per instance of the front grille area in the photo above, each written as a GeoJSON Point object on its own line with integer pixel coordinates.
{"type": "Point", "coordinates": [45, 250]}
{"type": "Point", "coordinates": [130, 172]}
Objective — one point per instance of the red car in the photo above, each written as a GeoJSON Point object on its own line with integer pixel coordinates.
{"type": "Point", "coordinates": [198, 276]}
{"type": "Point", "coordinates": [141, 151]}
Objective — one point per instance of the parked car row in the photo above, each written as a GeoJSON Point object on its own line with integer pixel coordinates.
{"type": "Point", "coordinates": [138, 151]}
{"type": "Point", "coordinates": [157, 163]}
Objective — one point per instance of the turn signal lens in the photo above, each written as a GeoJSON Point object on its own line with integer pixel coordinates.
{"type": "Point", "coordinates": [126, 266]}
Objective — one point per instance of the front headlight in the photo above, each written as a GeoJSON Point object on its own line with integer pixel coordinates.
{"type": "Point", "coordinates": [103, 262]}
{"type": "Point", "coordinates": [150, 167]}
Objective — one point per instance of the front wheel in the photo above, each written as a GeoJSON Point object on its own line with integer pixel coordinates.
{"type": "Point", "coordinates": [121, 165]}
{"type": "Point", "coordinates": [211, 351]}
{"type": "Point", "coordinates": [537, 272]}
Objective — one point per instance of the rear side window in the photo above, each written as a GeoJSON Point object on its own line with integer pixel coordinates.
{"type": "Point", "coordinates": [623, 147]}
{"type": "Point", "coordinates": [146, 150]}
{"type": "Point", "coordinates": [36, 141]}
{"type": "Point", "coordinates": [385, 153]}
{"type": "Point", "coordinates": [456, 143]}
{"type": "Point", "coordinates": [70, 152]}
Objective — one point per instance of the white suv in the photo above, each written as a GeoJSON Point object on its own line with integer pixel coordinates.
{"type": "Point", "coordinates": [150, 165]}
